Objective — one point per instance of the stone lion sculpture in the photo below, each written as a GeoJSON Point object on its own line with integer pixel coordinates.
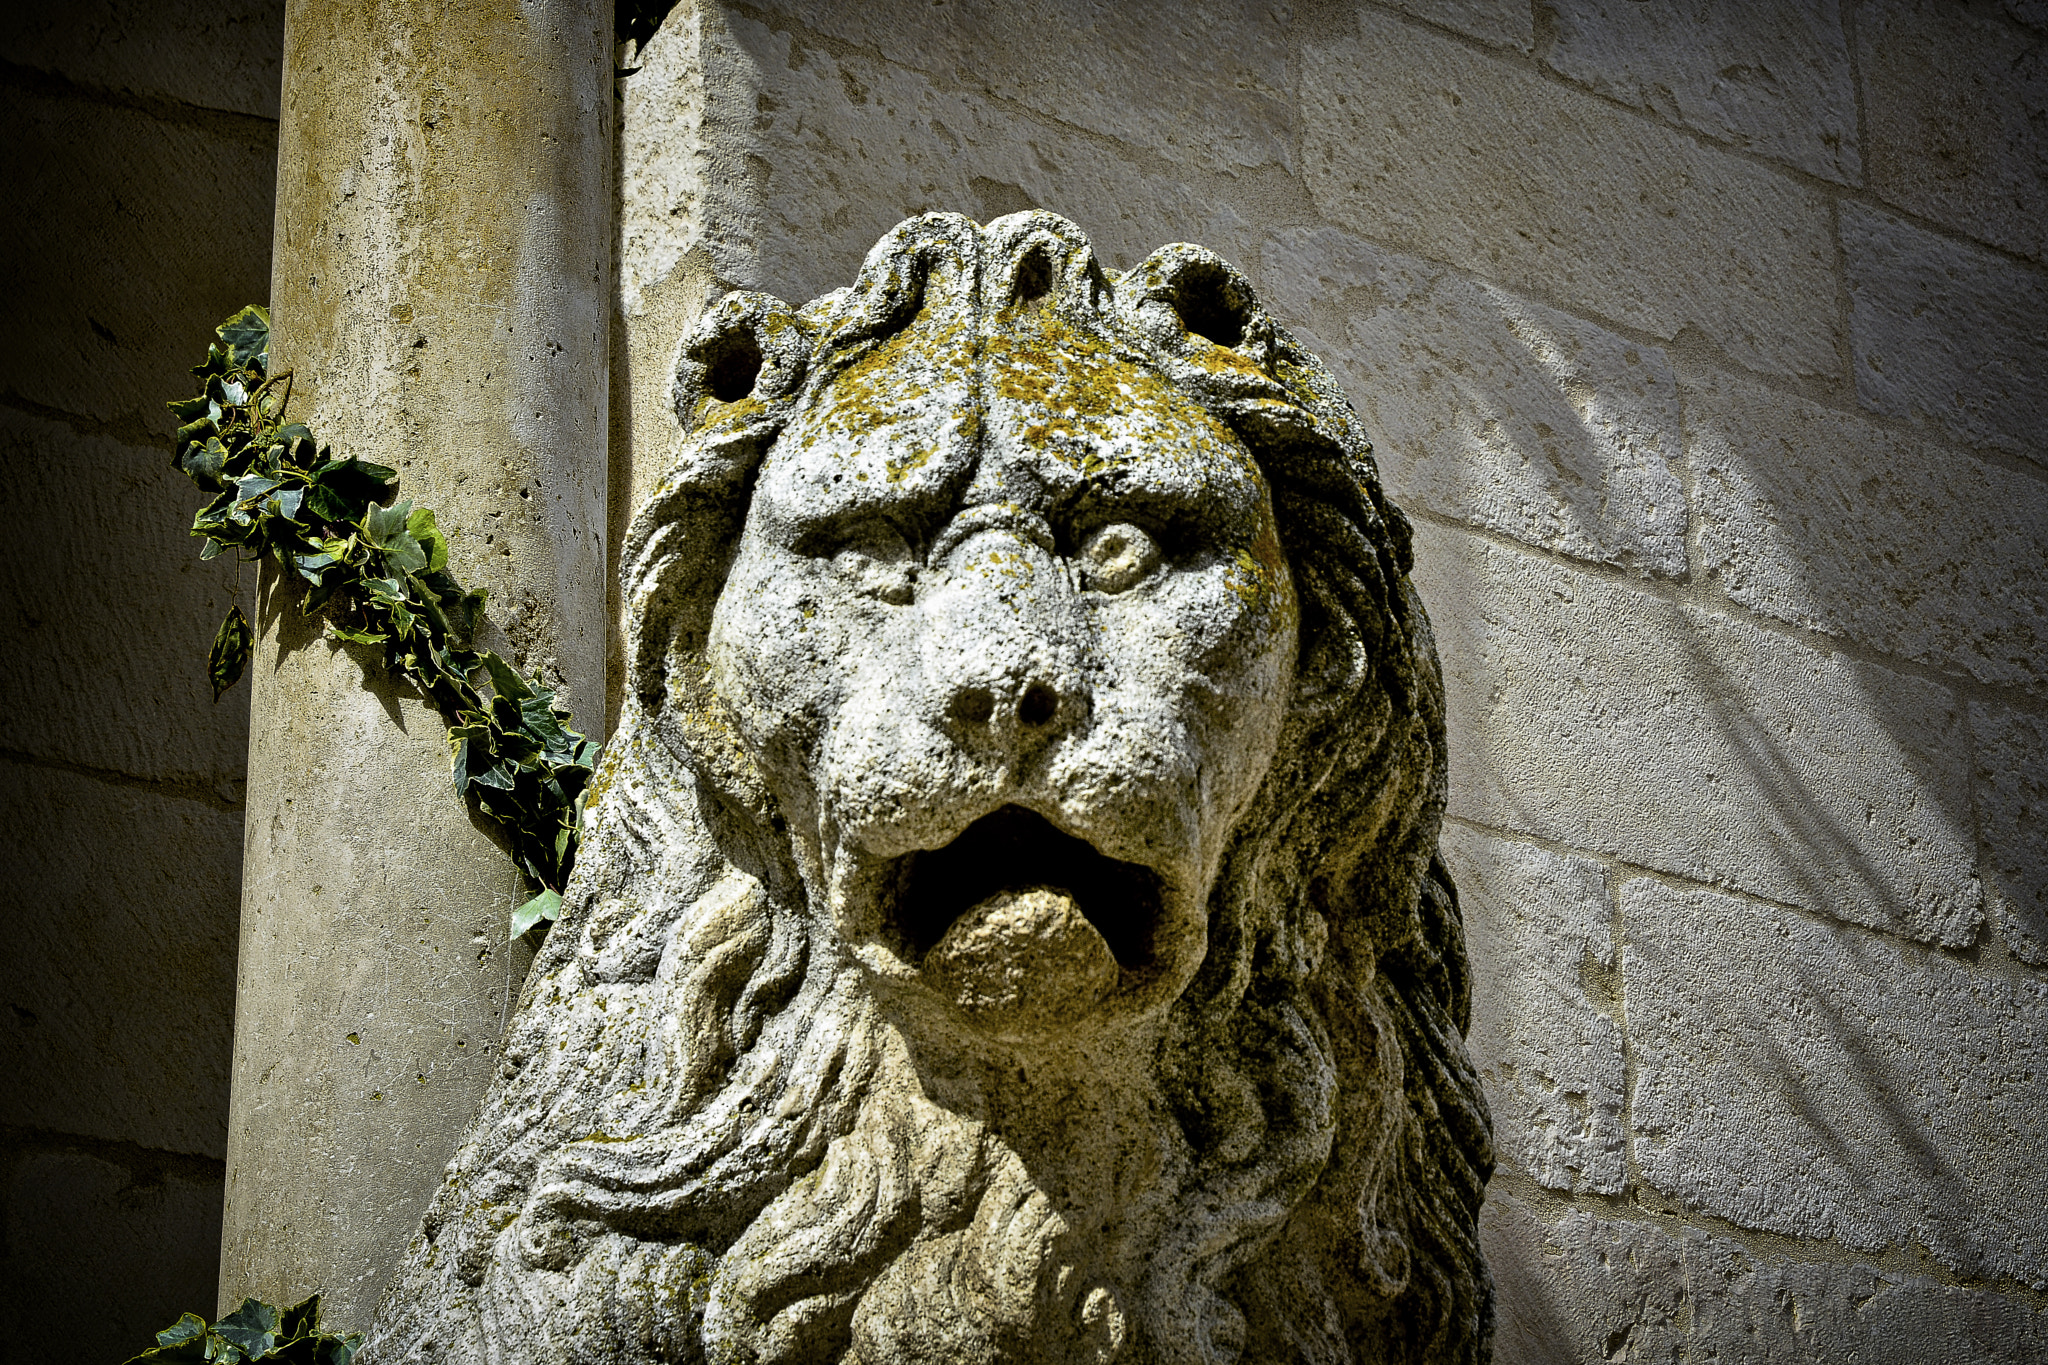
{"type": "Point", "coordinates": [1010, 926]}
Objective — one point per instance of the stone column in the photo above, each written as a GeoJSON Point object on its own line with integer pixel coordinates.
{"type": "Point", "coordinates": [440, 290]}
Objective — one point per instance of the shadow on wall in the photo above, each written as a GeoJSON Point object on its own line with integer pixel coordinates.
{"type": "Point", "coordinates": [148, 136]}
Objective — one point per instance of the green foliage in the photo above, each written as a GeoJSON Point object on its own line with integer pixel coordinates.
{"type": "Point", "coordinates": [255, 1331]}
{"type": "Point", "coordinates": [379, 572]}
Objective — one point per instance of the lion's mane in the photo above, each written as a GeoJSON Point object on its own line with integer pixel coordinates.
{"type": "Point", "coordinates": [693, 1078]}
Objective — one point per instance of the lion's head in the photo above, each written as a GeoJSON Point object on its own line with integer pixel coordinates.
{"type": "Point", "coordinates": [1010, 926]}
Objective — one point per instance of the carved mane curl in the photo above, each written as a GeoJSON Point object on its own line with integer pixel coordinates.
{"type": "Point", "coordinates": [694, 1039]}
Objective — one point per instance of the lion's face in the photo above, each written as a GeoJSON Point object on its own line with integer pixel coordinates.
{"type": "Point", "coordinates": [1008, 929]}
{"type": "Point", "coordinates": [1022, 624]}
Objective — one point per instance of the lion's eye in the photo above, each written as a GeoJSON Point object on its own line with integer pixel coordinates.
{"type": "Point", "coordinates": [879, 560]}
{"type": "Point", "coordinates": [1117, 556]}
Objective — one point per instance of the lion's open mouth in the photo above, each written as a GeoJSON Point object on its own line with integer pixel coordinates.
{"type": "Point", "coordinates": [1012, 849]}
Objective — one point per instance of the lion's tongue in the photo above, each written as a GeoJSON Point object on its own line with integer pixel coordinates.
{"type": "Point", "coordinates": [1024, 960]}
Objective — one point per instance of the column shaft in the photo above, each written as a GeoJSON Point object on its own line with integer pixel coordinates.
{"type": "Point", "coordinates": [440, 294]}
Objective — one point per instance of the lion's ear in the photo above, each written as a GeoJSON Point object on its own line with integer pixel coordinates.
{"type": "Point", "coordinates": [1200, 318]}
{"type": "Point", "coordinates": [738, 371]}
{"type": "Point", "coordinates": [746, 352]}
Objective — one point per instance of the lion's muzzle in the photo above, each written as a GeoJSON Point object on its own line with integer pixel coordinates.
{"type": "Point", "coordinates": [1022, 926]}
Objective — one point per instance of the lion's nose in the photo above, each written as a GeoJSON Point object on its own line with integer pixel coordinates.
{"type": "Point", "coordinates": [999, 646]}
{"type": "Point", "coordinates": [1033, 708]}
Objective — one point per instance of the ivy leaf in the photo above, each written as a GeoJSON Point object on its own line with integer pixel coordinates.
{"type": "Point", "coordinates": [359, 637]}
{"type": "Point", "coordinates": [505, 679]}
{"type": "Point", "coordinates": [539, 720]}
{"type": "Point", "coordinates": [381, 524]}
{"type": "Point", "coordinates": [253, 486]}
{"type": "Point", "coordinates": [250, 1329]}
{"type": "Point", "coordinates": [231, 645]}
{"type": "Point", "coordinates": [247, 337]}
{"type": "Point", "coordinates": [323, 502]}
{"type": "Point", "coordinates": [192, 1352]}
{"type": "Point", "coordinates": [299, 1320]}
{"type": "Point", "coordinates": [205, 463]}
{"type": "Point", "coordinates": [286, 503]}
{"type": "Point", "coordinates": [311, 567]}
{"type": "Point", "coordinates": [546, 906]}
{"type": "Point", "coordinates": [184, 1329]}
{"type": "Point", "coordinates": [420, 525]}
{"type": "Point", "coordinates": [387, 591]}
{"type": "Point", "coordinates": [385, 528]}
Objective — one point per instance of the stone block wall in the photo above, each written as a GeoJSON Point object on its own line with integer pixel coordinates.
{"type": "Point", "coordinates": [1707, 344]}
{"type": "Point", "coordinates": [140, 142]}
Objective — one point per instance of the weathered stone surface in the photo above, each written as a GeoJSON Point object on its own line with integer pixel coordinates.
{"type": "Point", "coordinates": [100, 1256]}
{"type": "Point", "coordinates": [212, 54]}
{"type": "Point", "coordinates": [1771, 77]}
{"type": "Point", "coordinates": [1585, 711]}
{"type": "Point", "coordinates": [442, 294]}
{"type": "Point", "coordinates": [121, 980]}
{"type": "Point", "coordinates": [103, 312]}
{"type": "Point", "coordinates": [1489, 408]}
{"type": "Point", "coordinates": [969, 955]}
{"type": "Point", "coordinates": [1608, 1292]}
{"type": "Point", "coordinates": [839, 146]}
{"type": "Point", "coordinates": [1820, 1082]}
{"type": "Point", "coordinates": [1957, 103]}
{"type": "Point", "coordinates": [1540, 928]}
{"type": "Point", "coordinates": [1584, 1289]}
{"type": "Point", "coordinates": [1201, 81]}
{"type": "Point", "coordinates": [1505, 23]}
{"type": "Point", "coordinates": [1415, 140]}
{"type": "Point", "coordinates": [111, 614]}
{"type": "Point", "coordinates": [1827, 520]}
{"type": "Point", "coordinates": [1946, 333]}
{"type": "Point", "coordinates": [2012, 813]}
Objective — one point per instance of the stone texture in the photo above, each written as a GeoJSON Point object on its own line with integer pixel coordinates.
{"type": "Point", "coordinates": [441, 288]}
{"type": "Point", "coordinates": [2012, 813]}
{"type": "Point", "coordinates": [110, 613]}
{"type": "Point", "coordinates": [968, 959]}
{"type": "Point", "coordinates": [1489, 408]}
{"type": "Point", "coordinates": [1770, 77]}
{"type": "Point", "coordinates": [1586, 711]}
{"type": "Point", "coordinates": [1413, 139]}
{"type": "Point", "coordinates": [1504, 23]}
{"type": "Point", "coordinates": [101, 1254]}
{"type": "Point", "coordinates": [121, 987]}
{"type": "Point", "coordinates": [164, 231]}
{"type": "Point", "coordinates": [1833, 522]}
{"type": "Point", "coordinates": [1207, 82]}
{"type": "Point", "coordinates": [841, 146]}
{"type": "Point", "coordinates": [1819, 1082]}
{"type": "Point", "coordinates": [1540, 929]}
{"type": "Point", "coordinates": [205, 53]}
{"type": "Point", "coordinates": [1607, 1292]}
{"type": "Point", "coordinates": [1946, 333]}
{"type": "Point", "coordinates": [1957, 108]}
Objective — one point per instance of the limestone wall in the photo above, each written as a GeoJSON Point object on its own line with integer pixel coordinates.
{"type": "Point", "coordinates": [140, 141]}
{"type": "Point", "coordinates": [1705, 344]}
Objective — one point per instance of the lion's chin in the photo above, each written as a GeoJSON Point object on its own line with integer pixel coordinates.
{"type": "Point", "coordinates": [1022, 927]}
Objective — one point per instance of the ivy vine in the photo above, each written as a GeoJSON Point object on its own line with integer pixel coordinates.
{"type": "Point", "coordinates": [254, 1332]}
{"type": "Point", "coordinates": [377, 568]}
